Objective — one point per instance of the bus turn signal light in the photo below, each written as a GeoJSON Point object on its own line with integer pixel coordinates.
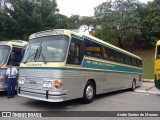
{"type": "Point", "coordinates": [58, 84]}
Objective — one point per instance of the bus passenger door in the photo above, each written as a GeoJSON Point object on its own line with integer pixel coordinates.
{"type": "Point", "coordinates": [74, 74]}
{"type": "Point", "coordinates": [16, 56]}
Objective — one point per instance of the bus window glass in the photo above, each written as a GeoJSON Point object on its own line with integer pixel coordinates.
{"type": "Point", "coordinates": [139, 63]}
{"type": "Point", "coordinates": [4, 52]}
{"type": "Point", "coordinates": [127, 59]}
{"type": "Point", "coordinates": [74, 54]}
{"type": "Point", "coordinates": [134, 63]}
{"type": "Point", "coordinates": [54, 49]}
{"type": "Point", "coordinates": [31, 49]}
{"type": "Point", "coordinates": [119, 57]}
{"type": "Point", "coordinates": [93, 49]}
{"type": "Point", "coordinates": [109, 54]}
{"type": "Point", "coordinates": [50, 48]}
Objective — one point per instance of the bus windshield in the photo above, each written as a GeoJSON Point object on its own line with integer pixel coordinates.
{"type": "Point", "coordinates": [4, 52]}
{"type": "Point", "coordinates": [48, 49]}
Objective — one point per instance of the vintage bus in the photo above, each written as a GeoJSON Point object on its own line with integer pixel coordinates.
{"type": "Point", "coordinates": [9, 51]}
{"type": "Point", "coordinates": [60, 65]}
{"type": "Point", "coordinates": [157, 65]}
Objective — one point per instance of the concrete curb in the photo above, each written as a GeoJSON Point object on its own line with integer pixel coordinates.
{"type": "Point", "coordinates": [148, 92]}
{"type": "Point", "coordinates": [148, 80]}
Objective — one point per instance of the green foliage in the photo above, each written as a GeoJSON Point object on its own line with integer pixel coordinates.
{"type": "Point", "coordinates": [107, 35]}
{"type": "Point", "coordinates": [150, 21]}
{"type": "Point", "coordinates": [20, 18]}
{"type": "Point", "coordinates": [130, 20]}
{"type": "Point", "coordinates": [23, 17]}
{"type": "Point", "coordinates": [147, 62]}
{"type": "Point", "coordinates": [73, 22]}
{"type": "Point", "coordinates": [118, 16]}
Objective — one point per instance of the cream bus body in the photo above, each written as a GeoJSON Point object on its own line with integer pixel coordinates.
{"type": "Point", "coordinates": [9, 51]}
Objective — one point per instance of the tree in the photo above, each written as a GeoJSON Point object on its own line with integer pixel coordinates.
{"type": "Point", "coordinates": [119, 16]}
{"type": "Point", "coordinates": [87, 22]}
{"type": "Point", "coordinates": [150, 22]}
{"type": "Point", "coordinates": [27, 16]}
{"type": "Point", "coordinates": [73, 22]}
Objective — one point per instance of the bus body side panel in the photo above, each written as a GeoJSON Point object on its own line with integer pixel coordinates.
{"type": "Point", "coordinates": [157, 74]}
{"type": "Point", "coordinates": [73, 80]}
{"type": "Point", "coordinates": [116, 76]}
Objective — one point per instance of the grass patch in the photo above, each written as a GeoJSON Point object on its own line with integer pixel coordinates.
{"type": "Point", "coordinates": [148, 62]}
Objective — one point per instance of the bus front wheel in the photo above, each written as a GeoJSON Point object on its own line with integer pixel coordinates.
{"type": "Point", "coordinates": [89, 92]}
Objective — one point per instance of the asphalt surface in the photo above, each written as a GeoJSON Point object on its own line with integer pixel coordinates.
{"type": "Point", "coordinates": [143, 99]}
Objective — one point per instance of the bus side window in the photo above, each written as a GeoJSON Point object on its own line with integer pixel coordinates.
{"type": "Point", "coordinates": [93, 49]}
{"type": "Point", "coordinates": [109, 54]}
{"type": "Point", "coordinates": [133, 61]}
{"type": "Point", "coordinates": [127, 60]}
{"type": "Point", "coordinates": [119, 57]}
{"type": "Point", "coordinates": [74, 54]}
{"type": "Point", "coordinates": [139, 63]}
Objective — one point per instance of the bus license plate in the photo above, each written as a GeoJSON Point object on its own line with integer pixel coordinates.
{"type": "Point", "coordinates": [33, 82]}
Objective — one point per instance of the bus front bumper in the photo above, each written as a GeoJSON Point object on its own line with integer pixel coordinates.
{"type": "Point", "coordinates": [47, 95]}
{"type": "Point", "coordinates": [3, 87]}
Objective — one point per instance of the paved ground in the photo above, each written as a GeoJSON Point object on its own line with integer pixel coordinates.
{"type": "Point", "coordinates": [148, 87]}
{"type": "Point", "coordinates": [145, 98]}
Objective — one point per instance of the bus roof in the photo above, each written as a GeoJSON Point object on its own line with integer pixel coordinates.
{"type": "Point", "coordinates": [81, 35]}
{"type": "Point", "coordinates": [14, 43]}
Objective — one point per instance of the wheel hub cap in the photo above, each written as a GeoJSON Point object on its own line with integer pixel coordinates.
{"type": "Point", "coordinates": [89, 92]}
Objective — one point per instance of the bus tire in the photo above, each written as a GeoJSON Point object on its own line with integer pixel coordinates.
{"type": "Point", "coordinates": [89, 92]}
{"type": "Point", "coordinates": [133, 85]}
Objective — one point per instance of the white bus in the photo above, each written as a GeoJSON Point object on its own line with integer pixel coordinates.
{"type": "Point", "coordinates": [60, 65]}
{"type": "Point", "coordinates": [9, 51]}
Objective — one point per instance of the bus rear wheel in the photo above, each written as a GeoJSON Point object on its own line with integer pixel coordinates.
{"type": "Point", "coordinates": [89, 92]}
{"type": "Point", "coordinates": [133, 85]}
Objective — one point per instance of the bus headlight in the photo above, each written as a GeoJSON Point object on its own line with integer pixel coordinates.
{"type": "Point", "coordinates": [1, 77]}
{"type": "Point", "coordinates": [21, 80]}
{"type": "Point", "coordinates": [47, 83]}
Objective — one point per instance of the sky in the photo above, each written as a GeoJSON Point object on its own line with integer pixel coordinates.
{"type": "Point", "coordinates": [80, 7]}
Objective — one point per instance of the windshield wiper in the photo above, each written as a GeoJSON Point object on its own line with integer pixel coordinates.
{"type": "Point", "coordinates": [41, 54]}
{"type": "Point", "coordinates": [43, 58]}
{"type": "Point", "coordinates": [34, 54]}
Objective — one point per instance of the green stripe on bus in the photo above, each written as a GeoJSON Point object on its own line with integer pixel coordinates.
{"type": "Point", "coordinates": [107, 66]}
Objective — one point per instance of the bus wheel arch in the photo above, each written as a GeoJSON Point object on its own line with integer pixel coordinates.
{"type": "Point", "coordinates": [133, 85]}
{"type": "Point", "coordinates": [89, 91]}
